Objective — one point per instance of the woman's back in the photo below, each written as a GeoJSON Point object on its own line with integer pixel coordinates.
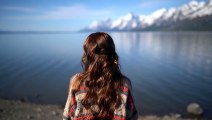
{"type": "Point", "coordinates": [101, 91]}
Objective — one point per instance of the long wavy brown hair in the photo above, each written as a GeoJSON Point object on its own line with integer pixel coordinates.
{"type": "Point", "coordinates": [101, 74]}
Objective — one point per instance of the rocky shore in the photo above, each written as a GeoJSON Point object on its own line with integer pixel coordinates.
{"type": "Point", "coordinates": [19, 110]}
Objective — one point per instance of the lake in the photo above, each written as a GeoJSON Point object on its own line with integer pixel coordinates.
{"type": "Point", "coordinates": [168, 70]}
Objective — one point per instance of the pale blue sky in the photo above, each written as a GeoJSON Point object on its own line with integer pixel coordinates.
{"type": "Point", "coordinates": [72, 15]}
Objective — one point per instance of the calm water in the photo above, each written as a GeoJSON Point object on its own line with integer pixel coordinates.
{"type": "Point", "coordinates": [168, 70]}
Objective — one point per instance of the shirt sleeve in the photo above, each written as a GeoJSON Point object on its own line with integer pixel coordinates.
{"type": "Point", "coordinates": [132, 113]}
{"type": "Point", "coordinates": [66, 112]}
{"type": "Point", "coordinates": [67, 108]}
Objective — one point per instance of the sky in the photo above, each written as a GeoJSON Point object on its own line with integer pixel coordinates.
{"type": "Point", "coordinates": [72, 15]}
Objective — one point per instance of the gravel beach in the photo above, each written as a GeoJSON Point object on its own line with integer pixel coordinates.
{"type": "Point", "coordinates": [19, 110]}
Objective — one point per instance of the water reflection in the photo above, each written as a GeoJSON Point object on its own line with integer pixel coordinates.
{"type": "Point", "coordinates": [189, 51]}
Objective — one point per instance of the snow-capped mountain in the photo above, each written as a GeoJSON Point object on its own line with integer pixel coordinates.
{"type": "Point", "coordinates": [192, 16]}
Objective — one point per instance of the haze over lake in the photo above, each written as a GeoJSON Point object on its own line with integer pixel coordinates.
{"type": "Point", "coordinates": [168, 70]}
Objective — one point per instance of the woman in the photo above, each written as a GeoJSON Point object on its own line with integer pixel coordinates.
{"type": "Point", "coordinates": [100, 92]}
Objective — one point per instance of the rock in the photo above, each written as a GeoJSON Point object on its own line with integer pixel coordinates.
{"type": "Point", "coordinates": [1, 110]}
{"type": "Point", "coordinates": [29, 117]}
{"type": "Point", "coordinates": [24, 99]}
{"type": "Point", "coordinates": [165, 117]}
{"type": "Point", "coordinates": [38, 109]}
{"type": "Point", "coordinates": [54, 113]}
{"type": "Point", "coordinates": [194, 108]}
{"type": "Point", "coordinates": [177, 115]}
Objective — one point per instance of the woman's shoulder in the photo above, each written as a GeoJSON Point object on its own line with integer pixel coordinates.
{"type": "Point", "coordinates": [127, 82]}
{"type": "Point", "coordinates": [75, 77]}
{"type": "Point", "coordinates": [74, 81]}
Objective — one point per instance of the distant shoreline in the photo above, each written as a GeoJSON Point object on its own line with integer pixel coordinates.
{"type": "Point", "coordinates": [35, 32]}
{"type": "Point", "coordinates": [25, 110]}
{"type": "Point", "coordinates": [67, 32]}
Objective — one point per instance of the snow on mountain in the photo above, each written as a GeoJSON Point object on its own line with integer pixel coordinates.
{"type": "Point", "coordinates": [209, 2]}
{"type": "Point", "coordinates": [167, 18]}
{"type": "Point", "coordinates": [130, 21]}
{"type": "Point", "coordinates": [105, 24]}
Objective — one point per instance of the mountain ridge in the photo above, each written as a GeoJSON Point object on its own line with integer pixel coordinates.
{"type": "Point", "coordinates": [191, 16]}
